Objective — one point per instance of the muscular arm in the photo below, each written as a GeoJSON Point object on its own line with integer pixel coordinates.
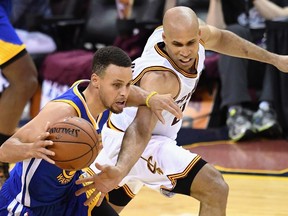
{"type": "Point", "coordinates": [135, 140]}
{"type": "Point", "coordinates": [226, 42]}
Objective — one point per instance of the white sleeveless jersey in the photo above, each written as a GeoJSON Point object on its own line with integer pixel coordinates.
{"type": "Point", "coordinates": [155, 59]}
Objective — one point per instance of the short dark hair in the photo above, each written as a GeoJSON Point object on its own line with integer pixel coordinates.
{"type": "Point", "coordinates": [105, 56]}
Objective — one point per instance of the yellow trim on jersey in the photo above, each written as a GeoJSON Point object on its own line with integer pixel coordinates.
{"type": "Point", "coordinates": [78, 82]}
{"type": "Point", "coordinates": [72, 104]}
{"type": "Point", "coordinates": [112, 126]}
{"type": "Point", "coordinates": [91, 118]}
{"type": "Point", "coordinates": [89, 171]}
{"type": "Point", "coordinates": [76, 91]}
{"type": "Point", "coordinates": [88, 193]}
{"type": "Point", "coordinates": [91, 205]}
{"type": "Point", "coordinates": [99, 117]}
{"type": "Point", "coordinates": [128, 191]}
{"type": "Point", "coordinates": [9, 50]}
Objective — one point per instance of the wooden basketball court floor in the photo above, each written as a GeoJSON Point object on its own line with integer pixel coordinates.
{"type": "Point", "coordinates": [256, 172]}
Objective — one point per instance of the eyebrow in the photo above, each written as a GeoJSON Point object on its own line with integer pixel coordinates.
{"type": "Point", "coordinates": [190, 41]}
{"type": "Point", "coordinates": [118, 80]}
{"type": "Point", "coordinates": [121, 81]}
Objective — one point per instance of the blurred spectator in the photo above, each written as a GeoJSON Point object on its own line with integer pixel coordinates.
{"type": "Point", "coordinates": [132, 36]}
{"type": "Point", "coordinates": [26, 17]}
{"type": "Point", "coordinates": [129, 38]}
{"type": "Point", "coordinates": [26, 14]}
{"type": "Point", "coordinates": [124, 8]}
{"type": "Point", "coordinates": [246, 19]}
{"type": "Point", "coordinates": [277, 41]}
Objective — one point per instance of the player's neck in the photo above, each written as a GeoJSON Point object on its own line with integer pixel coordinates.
{"type": "Point", "coordinates": [93, 102]}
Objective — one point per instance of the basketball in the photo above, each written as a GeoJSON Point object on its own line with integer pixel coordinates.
{"type": "Point", "coordinates": [76, 143]}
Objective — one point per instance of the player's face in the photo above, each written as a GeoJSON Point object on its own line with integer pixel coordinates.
{"type": "Point", "coordinates": [115, 87]}
{"type": "Point", "coordinates": [182, 46]}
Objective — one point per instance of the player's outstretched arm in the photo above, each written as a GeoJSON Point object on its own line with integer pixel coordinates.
{"type": "Point", "coordinates": [228, 43]}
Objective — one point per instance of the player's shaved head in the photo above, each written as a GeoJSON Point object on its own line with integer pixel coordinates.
{"type": "Point", "coordinates": [181, 35]}
{"type": "Point", "coordinates": [179, 19]}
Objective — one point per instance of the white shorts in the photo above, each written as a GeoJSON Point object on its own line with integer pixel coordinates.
{"type": "Point", "coordinates": [161, 164]}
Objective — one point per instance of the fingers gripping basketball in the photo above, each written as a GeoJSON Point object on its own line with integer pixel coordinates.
{"type": "Point", "coordinates": [76, 143]}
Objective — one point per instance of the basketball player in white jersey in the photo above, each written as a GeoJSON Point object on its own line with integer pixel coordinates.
{"type": "Point", "coordinates": [171, 62]}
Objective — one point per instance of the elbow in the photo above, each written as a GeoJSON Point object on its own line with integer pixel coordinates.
{"type": "Point", "coordinates": [145, 135]}
{"type": "Point", "coordinates": [144, 132]}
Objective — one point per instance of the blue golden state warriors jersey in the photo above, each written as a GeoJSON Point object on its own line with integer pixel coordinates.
{"type": "Point", "coordinates": [36, 183]}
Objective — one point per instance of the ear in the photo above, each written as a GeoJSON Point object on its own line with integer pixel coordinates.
{"type": "Point", "coordinates": [163, 36]}
{"type": "Point", "coordinates": [95, 80]}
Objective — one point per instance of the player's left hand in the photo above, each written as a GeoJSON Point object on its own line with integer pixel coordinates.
{"type": "Point", "coordinates": [160, 102]}
{"type": "Point", "coordinates": [38, 148]}
{"type": "Point", "coordinates": [100, 183]}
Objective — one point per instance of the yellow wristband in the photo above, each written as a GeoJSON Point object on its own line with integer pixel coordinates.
{"type": "Point", "coordinates": [148, 98]}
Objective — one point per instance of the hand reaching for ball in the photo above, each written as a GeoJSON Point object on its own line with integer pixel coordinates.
{"type": "Point", "coordinates": [39, 150]}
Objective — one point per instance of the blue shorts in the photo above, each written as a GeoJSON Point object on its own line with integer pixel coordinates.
{"type": "Point", "coordinates": [10, 43]}
{"type": "Point", "coordinates": [71, 206]}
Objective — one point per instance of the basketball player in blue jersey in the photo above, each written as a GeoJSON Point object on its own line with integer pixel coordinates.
{"type": "Point", "coordinates": [37, 187]}
{"type": "Point", "coordinates": [171, 62]}
{"type": "Point", "coordinates": [19, 71]}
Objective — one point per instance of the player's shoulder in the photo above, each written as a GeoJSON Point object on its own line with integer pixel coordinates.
{"type": "Point", "coordinates": [206, 33]}
{"type": "Point", "coordinates": [58, 108]}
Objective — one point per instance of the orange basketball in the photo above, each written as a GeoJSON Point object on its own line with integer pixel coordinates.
{"type": "Point", "coordinates": [76, 143]}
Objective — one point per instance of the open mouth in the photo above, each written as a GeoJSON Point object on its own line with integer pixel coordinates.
{"type": "Point", "coordinates": [185, 61]}
{"type": "Point", "coordinates": [121, 104]}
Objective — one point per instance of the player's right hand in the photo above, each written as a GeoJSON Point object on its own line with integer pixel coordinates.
{"type": "Point", "coordinates": [160, 102]}
{"type": "Point", "coordinates": [100, 183]}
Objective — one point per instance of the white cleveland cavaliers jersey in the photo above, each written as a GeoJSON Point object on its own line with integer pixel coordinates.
{"type": "Point", "coordinates": [154, 58]}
